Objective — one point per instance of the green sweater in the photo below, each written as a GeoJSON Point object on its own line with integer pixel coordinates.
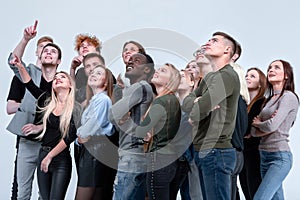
{"type": "Point", "coordinates": [213, 128]}
{"type": "Point", "coordinates": [164, 117]}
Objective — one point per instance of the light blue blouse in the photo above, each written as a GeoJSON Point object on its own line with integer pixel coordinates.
{"type": "Point", "coordinates": [94, 120]}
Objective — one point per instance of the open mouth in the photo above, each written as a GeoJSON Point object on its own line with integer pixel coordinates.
{"type": "Point", "coordinates": [129, 68]}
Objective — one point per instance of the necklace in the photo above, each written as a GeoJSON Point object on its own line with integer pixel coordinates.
{"type": "Point", "coordinates": [276, 92]}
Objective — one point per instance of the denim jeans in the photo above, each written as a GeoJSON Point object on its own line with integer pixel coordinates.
{"type": "Point", "coordinates": [129, 185]}
{"type": "Point", "coordinates": [274, 167]}
{"type": "Point", "coordinates": [237, 170]}
{"type": "Point", "coordinates": [215, 169]}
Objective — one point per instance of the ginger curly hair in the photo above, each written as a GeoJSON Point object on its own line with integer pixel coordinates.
{"type": "Point", "coordinates": [89, 38]}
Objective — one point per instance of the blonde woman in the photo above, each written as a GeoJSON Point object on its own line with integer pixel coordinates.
{"type": "Point", "coordinates": [56, 132]}
{"type": "Point", "coordinates": [161, 124]}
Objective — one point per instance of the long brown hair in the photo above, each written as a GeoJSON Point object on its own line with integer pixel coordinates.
{"type": "Point", "coordinates": [288, 84]}
{"type": "Point", "coordinates": [109, 85]}
{"type": "Point", "coordinates": [262, 89]}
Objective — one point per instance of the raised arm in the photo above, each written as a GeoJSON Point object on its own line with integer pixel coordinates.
{"type": "Point", "coordinates": [29, 33]}
{"type": "Point", "coordinates": [76, 62]}
{"type": "Point", "coordinates": [29, 84]}
{"type": "Point", "coordinates": [22, 70]}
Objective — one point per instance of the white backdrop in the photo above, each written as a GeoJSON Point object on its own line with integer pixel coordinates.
{"type": "Point", "coordinates": [267, 30]}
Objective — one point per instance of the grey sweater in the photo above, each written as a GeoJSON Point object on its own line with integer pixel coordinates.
{"type": "Point", "coordinates": [279, 125]}
{"type": "Point", "coordinates": [136, 101]}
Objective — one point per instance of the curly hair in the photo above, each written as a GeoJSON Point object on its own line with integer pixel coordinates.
{"type": "Point", "coordinates": [89, 38]}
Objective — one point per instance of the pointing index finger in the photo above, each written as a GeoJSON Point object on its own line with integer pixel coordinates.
{"type": "Point", "coordinates": [35, 25]}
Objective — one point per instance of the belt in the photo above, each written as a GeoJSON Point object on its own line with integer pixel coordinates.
{"type": "Point", "coordinates": [182, 159]}
{"type": "Point", "coordinates": [45, 148]}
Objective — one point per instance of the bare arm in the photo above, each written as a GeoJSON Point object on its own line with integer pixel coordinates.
{"type": "Point", "coordinates": [29, 33]}
{"type": "Point", "coordinates": [28, 129]}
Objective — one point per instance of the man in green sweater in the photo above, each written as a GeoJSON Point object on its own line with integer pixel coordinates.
{"type": "Point", "coordinates": [213, 108]}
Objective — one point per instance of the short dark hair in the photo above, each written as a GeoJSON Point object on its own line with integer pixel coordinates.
{"type": "Point", "coordinates": [149, 63]}
{"type": "Point", "coordinates": [56, 47]}
{"type": "Point", "coordinates": [238, 50]}
{"type": "Point", "coordinates": [228, 37]}
{"type": "Point", "coordinates": [91, 55]}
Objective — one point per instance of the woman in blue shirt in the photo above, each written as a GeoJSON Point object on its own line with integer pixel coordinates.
{"type": "Point", "coordinates": [95, 177]}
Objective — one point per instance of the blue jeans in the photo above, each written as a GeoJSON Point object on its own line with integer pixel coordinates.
{"type": "Point", "coordinates": [129, 186]}
{"type": "Point", "coordinates": [274, 167]}
{"type": "Point", "coordinates": [215, 169]}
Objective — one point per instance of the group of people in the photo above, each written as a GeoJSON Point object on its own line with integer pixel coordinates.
{"type": "Point", "coordinates": [163, 131]}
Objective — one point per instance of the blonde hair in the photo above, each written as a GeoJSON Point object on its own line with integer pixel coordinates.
{"type": "Point", "coordinates": [174, 81]}
{"type": "Point", "coordinates": [66, 115]}
{"type": "Point", "coordinates": [243, 84]}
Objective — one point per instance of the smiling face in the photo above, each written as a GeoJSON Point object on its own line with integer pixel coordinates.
{"type": "Point", "coordinates": [86, 47]}
{"type": "Point", "coordinates": [97, 78]}
{"type": "Point", "coordinates": [61, 81]}
{"type": "Point", "coordinates": [252, 79]}
{"type": "Point", "coordinates": [128, 51]}
{"type": "Point", "coordinates": [136, 66]}
{"type": "Point", "coordinates": [49, 56]}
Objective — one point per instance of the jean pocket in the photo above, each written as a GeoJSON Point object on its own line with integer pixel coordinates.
{"type": "Point", "coordinates": [205, 153]}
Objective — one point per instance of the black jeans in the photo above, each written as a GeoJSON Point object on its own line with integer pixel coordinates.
{"type": "Point", "coordinates": [54, 183]}
{"type": "Point", "coordinates": [250, 177]}
{"type": "Point", "coordinates": [14, 189]}
{"type": "Point", "coordinates": [181, 175]}
{"type": "Point", "coordinates": [159, 182]}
